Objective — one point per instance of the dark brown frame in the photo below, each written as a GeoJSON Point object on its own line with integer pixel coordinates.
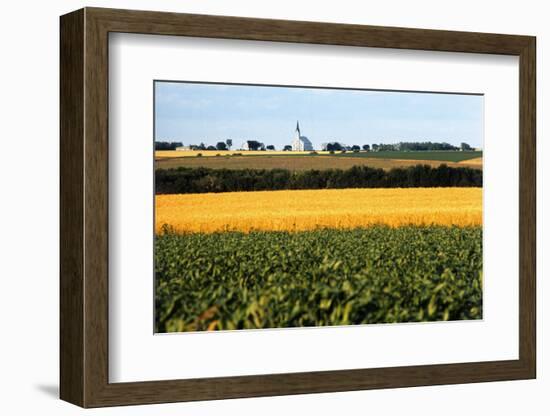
{"type": "Point", "coordinates": [84, 209]}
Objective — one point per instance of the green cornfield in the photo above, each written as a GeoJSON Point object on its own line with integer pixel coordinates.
{"type": "Point", "coordinates": [233, 280]}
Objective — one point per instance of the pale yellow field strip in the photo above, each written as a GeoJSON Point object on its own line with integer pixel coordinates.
{"type": "Point", "coordinates": [161, 154]}
{"type": "Point", "coordinates": [311, 209]}
{"type": "Point", "coordinates": [477, 162]}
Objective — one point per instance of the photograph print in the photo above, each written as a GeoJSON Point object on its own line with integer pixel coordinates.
{"type": "Point", "coordinates": [297, 206]}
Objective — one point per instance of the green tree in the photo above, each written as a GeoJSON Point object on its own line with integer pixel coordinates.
{"type": "Point", "coordinates": [465, 146]}
{"type": "Point", "coordinates": [254, 145]}
{"type": "Point", "coordinates": [334, 146]}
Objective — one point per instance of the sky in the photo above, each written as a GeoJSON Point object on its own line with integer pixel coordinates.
{"type": "Point", "coordinates": [192, 113]}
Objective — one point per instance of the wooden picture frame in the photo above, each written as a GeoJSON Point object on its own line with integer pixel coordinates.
{"type": "Point", "coordinates": [84, 207]}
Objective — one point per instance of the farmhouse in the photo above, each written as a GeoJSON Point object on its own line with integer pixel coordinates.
{"type": "Point", "coordinates": [300, 143]}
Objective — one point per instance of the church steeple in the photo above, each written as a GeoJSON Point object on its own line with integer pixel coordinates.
{"type": "Point", "coordinates": [300, 143]}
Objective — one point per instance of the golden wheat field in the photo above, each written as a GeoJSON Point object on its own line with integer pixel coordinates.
{"type": "Point", "coordinates": [301, 210]}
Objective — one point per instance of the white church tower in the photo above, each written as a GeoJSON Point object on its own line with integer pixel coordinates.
{"type": "Point", "coordinates": [300, 143]}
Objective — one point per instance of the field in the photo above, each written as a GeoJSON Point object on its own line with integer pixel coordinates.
{"type": "Point", "coordinates": [290, 240]}
{"type": "Point", "coordinates": [443, 156]}
{"type": "Point", "coordinates": [161, 154]}
{"type": "Point", "coordinates": [301, 162]}
{"type": "Point", "coordinates": [233, 280]}
{"type": "Point", "coordinates": [312, 209]}
{"type": "Point", "coordinates": [477, 162]}
{"type": "Point", "coordinates": [315, 257]}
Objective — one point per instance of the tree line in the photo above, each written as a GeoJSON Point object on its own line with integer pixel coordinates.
{"type": "Point", "coordinates": [167, 145]}
{"type": "Point", "coordinates": [421, 146]}
{"type": "Point", "coordinates": [332, 146]}
{"type": "Point", "coordinates": [397, 147]}
{"type": "Point", "coordinates": [184, 180]}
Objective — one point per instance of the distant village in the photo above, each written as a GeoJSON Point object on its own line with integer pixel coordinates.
{"type": "Point", "coordinates": [301, 143]}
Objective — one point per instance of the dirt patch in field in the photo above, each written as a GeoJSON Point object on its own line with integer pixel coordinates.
{"type": "Point", "coordinates": [297, 163]}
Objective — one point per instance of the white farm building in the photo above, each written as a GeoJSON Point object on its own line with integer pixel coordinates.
{"type": "Point", "coordinates": [300, 143]}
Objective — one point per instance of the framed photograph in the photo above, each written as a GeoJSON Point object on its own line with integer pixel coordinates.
{"type": "Point", "coordinates": [254, 207]}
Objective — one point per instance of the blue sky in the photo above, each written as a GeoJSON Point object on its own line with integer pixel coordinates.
{"type": "Point", "coordinates": [192, 113]}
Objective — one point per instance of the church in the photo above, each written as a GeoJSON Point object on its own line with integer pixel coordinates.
{"type": "Point", "coordinates": [300, 143]}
